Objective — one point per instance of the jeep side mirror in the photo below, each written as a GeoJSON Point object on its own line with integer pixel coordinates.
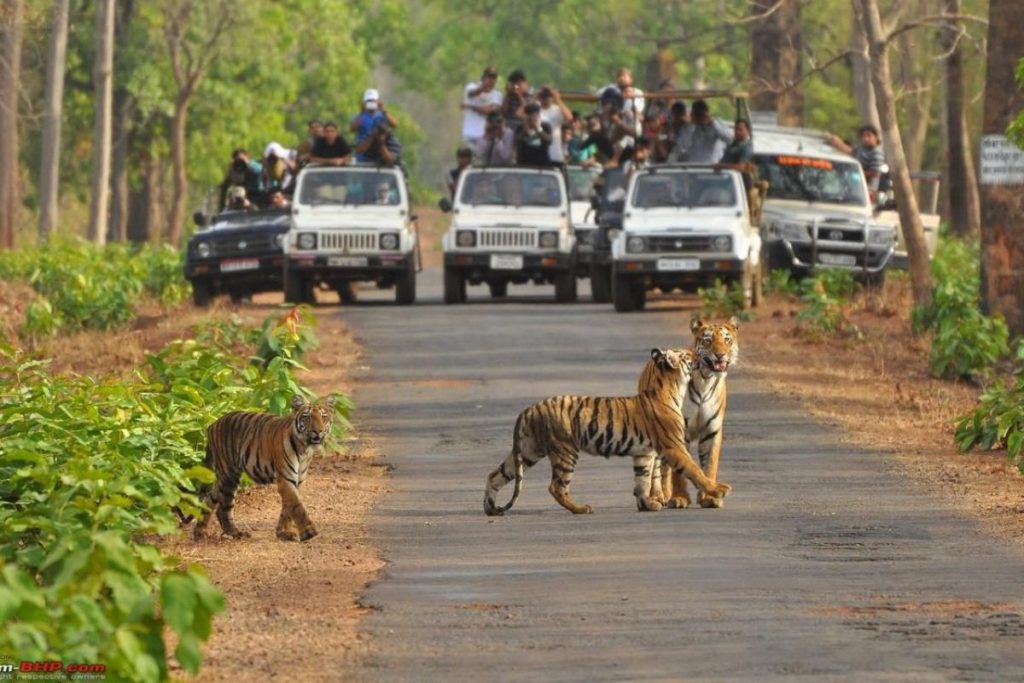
{"type": "Point", "coordinates": [444, 204]}
{"type": "Point", "coordinates": [199, 218]}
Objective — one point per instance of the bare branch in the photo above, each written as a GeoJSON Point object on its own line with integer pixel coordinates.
{"type": "Point", "coordinates": [764, 86]}
{"type": "Point", "coordinates": [932, 20]}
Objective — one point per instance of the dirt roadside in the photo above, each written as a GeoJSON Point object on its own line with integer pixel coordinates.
{"type": "Point", "coordinates": [878, 390]}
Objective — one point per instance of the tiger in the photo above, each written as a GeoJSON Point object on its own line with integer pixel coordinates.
{"type": "Point", "coordinates": [704, 409]}
{"type": "Point", "coordinates": [270, 449]}
{"type": "Point", "coordinates": [639, 426]}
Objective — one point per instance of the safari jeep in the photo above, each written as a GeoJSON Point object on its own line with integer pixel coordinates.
{"type": "Point", "coordinates": [351, 224]}
{"type": "Point", "coordinates": [818, 212]}
{"type": "Point", "coordinates": [583, 214]}
{"type": "Point", "coordinates": [509, 224]}
{"type": "Point", "coordinates": [683, 227]}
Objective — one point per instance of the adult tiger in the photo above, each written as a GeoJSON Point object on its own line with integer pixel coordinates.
{"type": "Point", "coordinates": [704, 409]}
{"type": "Point", "coordinates": [270, 449]}
{"type": "Point", "coordinates": [639, 426]}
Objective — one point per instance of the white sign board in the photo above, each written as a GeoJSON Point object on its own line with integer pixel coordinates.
{"type": "Point", "coordinates": [764, 118]}
{"type": "Point", "coordinates": [1002, 162]}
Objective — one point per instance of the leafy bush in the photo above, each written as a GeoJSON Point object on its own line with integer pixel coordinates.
{"type": "Point", "coordinates": [80, 285]}
{"type": "Point", "coordinates": [723, 301]}
{"type": "Point", "coordinates": [90, 471]}
{"type": "Point", "coordinates": [965, 341]}
{"type": "Point", "coordinates": [825, 296]}
{"type": "Point", "coordinates": [998, 420]}
{"type": "Point", "coordinates": [781, 281]}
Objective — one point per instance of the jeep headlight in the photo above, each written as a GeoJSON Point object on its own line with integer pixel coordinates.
{"type": "Point", "coordinates": [721, 243]}
{"type": "Point", "coordinates": [636, 244]}
{"type": "Point", "coordinates": [465, 238]}
{"type": "Point", "coordinates": [279, 239]}
{"type": "Point", "coordinates": [389, 241]}
{"type": "Point", "coordinates": [203, 250]}
{"type": "Point", "coordinates": [307, 240]}
{"type": "Point", "coordinates": [549, 240]}
{"type": "Point", "coordinates": [795, 232]}
{"type": "Point", "coordinates": [881, 236]}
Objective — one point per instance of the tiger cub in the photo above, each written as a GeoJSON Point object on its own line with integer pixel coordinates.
{"type": "Point", "coordinates": [704, 408]}
{"type": "Point", "coordinates": [639, 426]}
{"type": "Point", "coordinates": [270, 449]}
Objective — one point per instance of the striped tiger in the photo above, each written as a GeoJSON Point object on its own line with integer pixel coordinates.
{"type": "Point", "coordinates": [704, 409]}
{"type": "Point", "coordinates": [270, 449]}
{"type": "Point", "coordinates": [638, 426]}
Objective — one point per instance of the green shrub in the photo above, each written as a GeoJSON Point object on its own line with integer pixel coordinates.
{"type": "Point", "coordinates": [825, 296]}
{"type": "Point", "coordinates": [781, 281]}
{"type": "Point", "coordinates": [83, 286]}
{"type": "Point", "coordinates": [723, 301]}
{"type": "Point", "coordinates": [90, 470]}
{"type": "Point", "coordinates": [965, 342]}
{"type": "Point", "coordinates": [998, 420]}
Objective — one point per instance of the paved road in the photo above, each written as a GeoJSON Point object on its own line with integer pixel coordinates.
{"type": "Point", "coordinates": [822, 566]}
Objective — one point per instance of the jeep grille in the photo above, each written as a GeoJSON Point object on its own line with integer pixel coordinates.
{"type": "Point", "coordinates": [507, 238]}
{"type": "Point", "coordinates": [348, 241]}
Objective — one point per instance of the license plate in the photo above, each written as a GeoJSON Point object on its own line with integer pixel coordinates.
{"type": "Point", "coordinates": [679, 264]}
{"type": "Point", "coordinates": [838, 259]}
{"type": "Point", "coordinates": [347, 261]}
{"type": "Point", "coordinates": [504, 262]}
{"type": "Point", "coordinates": [235, 265]}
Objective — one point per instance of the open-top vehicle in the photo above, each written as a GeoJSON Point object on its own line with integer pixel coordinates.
{"type": "Point", "coordinates": [351, 224]}
{"type": "Point", "coordinates": [583, 214]}
{"type": "Point", "coordinates": [509, 224]}
{"type": "Point", "coordinates": [239, 253]}
{"type": "Point", "coordinates": [684, 226]}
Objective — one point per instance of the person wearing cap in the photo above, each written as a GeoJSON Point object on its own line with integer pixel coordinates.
{"type": "Point", "coordinates": [533, 139]}
{"type": "Point", "coordinates": [496, 147]}
{"type": "Point", "coordinates": [380, 146]}
{"type": "Point", "coordinates": [479, 100]}
{"type": "Point", "coordinates": [242, 172]}
{"type": "Point", "coordinates": [463, 159]}
{"type": "Point", "coordinates": [554, 113]}
{"type": "Point", "coordinates": [279, 167]}
{"type": "Point", "coordinates": [370, 115]}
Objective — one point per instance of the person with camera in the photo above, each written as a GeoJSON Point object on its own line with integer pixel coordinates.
{"type": "Point", "coordinates": [331, 149]}
{"type": "Point", "coordinates": [479, 101]}
{"type": "Point", "coordinates": [496, 147]}
{"type": "Point", "coordinates": [242, 172]}
{"type": "Point", "coordinates": [533, 139]}
{"type": "Point", "coordinates": [380, 147]}
{"type": "Point", "coordinates": [517, 94]}
{"type": "Point", "coordinates": [372, 113]}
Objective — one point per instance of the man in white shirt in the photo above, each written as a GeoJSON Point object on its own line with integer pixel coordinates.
{"type": "Point", "coordinates": [554, 113]}
{"type": "Point", "coordinates": [633, 98]}
{"type": "Point", "coordinates": [480, 99]}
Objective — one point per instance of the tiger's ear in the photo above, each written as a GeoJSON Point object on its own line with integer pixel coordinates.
{"type": "Point", "coordinates": [696, 324]}
{"type": "Point", "coordinates": [658, 356]}
{"type": "Point", "coordinates": [329, 402]}
{"type": "Point", "coordinates": [734, 322]}
{"type": "Point", "coordinates": [298, 401]}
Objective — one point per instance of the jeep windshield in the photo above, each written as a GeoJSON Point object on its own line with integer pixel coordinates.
{"type": "Point", "coordinates": [496, 188]}
{"type": "Point", "coordinates": [684, 190]}
{"type": "Point", "coordinates": [813, 180]}
{"type": "Point", "coordinates": [349, 188]}
{"type": "Point", "coordinates": [581, 183]}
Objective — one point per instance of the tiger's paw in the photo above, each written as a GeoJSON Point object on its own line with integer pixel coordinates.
{"type": "Point", "coordinates": [648, 505]}
{"type": "Point", "coordinates": [237, 533]}
{"type": "Point", "coordinates": [710, 502]}
{"type": "Point", "coordinates": [286, 535]}
{"type": "Point", "coordinates": [679, 503]}
{"type": "Point", "coordinates": [309, 533]}
{"type": "Point", "coordinates": [583, 510]}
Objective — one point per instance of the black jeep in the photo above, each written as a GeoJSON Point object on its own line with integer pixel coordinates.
{"type": "Point", "coordinates": [239, 253]}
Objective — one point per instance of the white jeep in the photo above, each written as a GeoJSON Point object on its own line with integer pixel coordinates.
{"type": "Point", "coordinates": [509, 224]}
{"type": "Point", "coordinates": [818, 211]}
{"type": "Point", "coordinates": [351, 224]}
{"type": "Point", "coordinates": [684, 226]}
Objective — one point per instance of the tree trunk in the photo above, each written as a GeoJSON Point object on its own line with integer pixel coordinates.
{"type": "Point", "coordinates": [863, 91]}
{"type": "Point", "coordinates": [962, 184]}
{"type": "Point", "coordinates": [1002, 239]}
{"type": "Point", "coordinates": [917, 102]}
{"type": "Point", "coordinates": [10, 79]}
{"type": "Point", "coordinates": [180, 172]}
{"type": "Point", "coordinates": [49, 168]}
{"type": "Point", "coordinates": [123, 108]}
{"type": "Point", "coordinates": [910, 218]}
{"type": "Point", "coordinates": [661, 67]}
{"type": "Point", "coordinates": [775, 61]}
{"type": "Point", "coordinates": [103, 78]}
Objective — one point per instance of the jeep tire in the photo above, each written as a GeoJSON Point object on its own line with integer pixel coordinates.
{"type": "Point", "coordinates": [499, 289]}
{"type": "Point", "coordinates": [454, 286]}
{"type": "Point", "coordinates": [601, 283]}
{"type": "Point", "coordinates": [202, 293]}
{"type": "Point", "coordinates": [565, 287]}
{"type": "Point", "coordinates": [624, 296]}
{"type": "Point", "coordinates": [405, 285]}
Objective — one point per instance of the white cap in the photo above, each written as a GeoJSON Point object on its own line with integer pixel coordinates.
{"type": "Point", "coordinates": [371, 94]}
{"type": "Point", "coordinates": [277, 149]}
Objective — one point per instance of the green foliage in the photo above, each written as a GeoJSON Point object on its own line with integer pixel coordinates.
{"type": "Point", "coordinates": [90, 470]}
{"type": "Point", "coordinates": [998, 420]}
{"type": "Point", "coordinates": [781, 281]}
{"type": "Point", "coordinates": [82, 286]}
{"type": "Point", "coordinates": [825, 296]}
{"type": "Point", "coordinates": [1016, 129]}
{"type": "Point", "coordinates": [723, 301]}
{"type": "Point", "coordinates": [965, 342]}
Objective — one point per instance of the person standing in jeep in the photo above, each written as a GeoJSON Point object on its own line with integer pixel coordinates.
{"type": "Point", "coordinates": [533, 139]}
{"type": "Point", "coordinates": [331, 149]}
{"type": "Point", "coordinates": [868, 151]}
{"type": "Point", "coordinates": [479, 101]}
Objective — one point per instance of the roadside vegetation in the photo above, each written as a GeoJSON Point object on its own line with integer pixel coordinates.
{"type": "Point", "coordinates": [90, 472]}
{"type": "Point", "coordinates": [79, 285]}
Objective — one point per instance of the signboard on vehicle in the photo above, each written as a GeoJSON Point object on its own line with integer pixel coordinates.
{"type": "Point", "coordinates": [1002, 162]}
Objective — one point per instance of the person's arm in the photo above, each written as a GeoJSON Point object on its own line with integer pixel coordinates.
{"type": "Point", "coordinates": [353, 125]}
{"type": "Point", "coordinates": [368, 142]}
{"type": "Point", "coordinates": [386, 156]}
{"type": "Point", "coordinates": [566, 112]}
{"type": "Point", "coordinates": [392, 121]}
{"type": "Point", "coordinates": [545, 133]}
{"type": "Point", "coordinates": [722, 131]}
{"type": "Point", "coordinates": [838, 143]}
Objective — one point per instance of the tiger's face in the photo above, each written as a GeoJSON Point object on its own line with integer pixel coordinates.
{"type": "Point", "coordinates": [312, 421]}
{"type": "Point", "coordinates": [717, 346]}
{"type": "Point", "coordinates": [679, 362]}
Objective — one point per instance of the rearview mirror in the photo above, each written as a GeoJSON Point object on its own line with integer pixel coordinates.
{"type": "Point", "coordinates": [444, 204]}
{"type": "Point", "coordinates": [199, 218]}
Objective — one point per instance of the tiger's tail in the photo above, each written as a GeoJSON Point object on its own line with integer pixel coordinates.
{"type": "Point", "coordinates": [201, 491]}
{"type": "Point", "coordinates": [499, 477]}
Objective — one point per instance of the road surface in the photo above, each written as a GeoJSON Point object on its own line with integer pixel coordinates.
{"type": "Point", "coordinates": [823, 565]}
